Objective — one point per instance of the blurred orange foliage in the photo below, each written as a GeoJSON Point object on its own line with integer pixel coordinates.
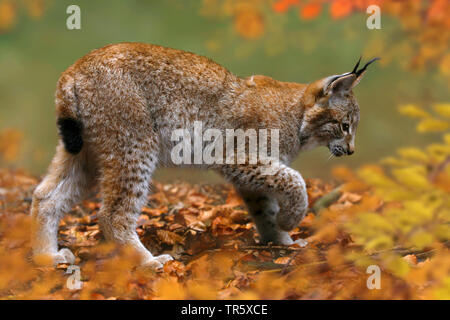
{"type": "Point", "coordinates": [9, 11]}
{"type": "Point", "coordinates": [249, 22]}
{"type": "Point", "coordinates": [425, 27]}
{"type": "Point", "coordinates": [395, 216]}
{"type": "Point", "coordinates": [341, 8]}
{"type": "Point", "coordinates": [10, 143]}
{"type": "Point", "coordinates": [7, 15]}
{"type": "Point", "coordinates": [310, 10]}
{"type": "Point", "coordinates": [208, 231]}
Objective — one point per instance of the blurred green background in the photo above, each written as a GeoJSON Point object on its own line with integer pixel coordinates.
{"type": "Point", "coordinates": [36, 47]}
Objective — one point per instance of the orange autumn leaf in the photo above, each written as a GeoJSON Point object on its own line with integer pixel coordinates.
{"type": "Point", "coordinates": [445, 65]}
{"type": "Point", "coordinates": [308, 220]}
{"type": "Point", "coordinates": [438, 10]}
{"type": "Point", "coordinates": [8, 13]}
{"type": "Point", "coordinates": [281, 6]}
{"type": "Point", "coordinates": [233, 199]}
{"type": "Point", "coordinates": [282, 260]}
{"type": "Point", "coordinates": [35, 8]}
{"type": "Point", "coordinates": [10, 144]}
{"type": "Point", "coordinates": [411, 259]}
{"type": "Point", "coordinates": [249, 23]}
{"type": "Point", "coordinates": [343, 173]}
{"type": "Point", "coordinates": [169, 237]}
{"type": "Point", "coordinates": [154, 211]}
{"type": "Point", "coordinates": [340, 8]}
{"type": "Point", "coordinates": [310, 10]}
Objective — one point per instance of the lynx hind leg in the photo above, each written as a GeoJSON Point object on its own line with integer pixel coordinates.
{"type": "Point", "coordinates": [65, 184]}
{"type": "Point", "coordinates": [285, 185]}
{"type": "Point", "coordinates": [125, 187]}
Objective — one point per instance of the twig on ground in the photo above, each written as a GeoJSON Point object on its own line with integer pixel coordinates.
{"type": "Point", "coordinates": [271, 248]}
{"type": "Point", "coordinates": [327, 200]}
{"type": "Point", "coordinates": [285, 269]}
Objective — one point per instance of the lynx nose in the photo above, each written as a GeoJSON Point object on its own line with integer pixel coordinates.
{"type": "Point", "coordinates": [350, 148]}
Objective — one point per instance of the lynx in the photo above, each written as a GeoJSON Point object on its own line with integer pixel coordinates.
{"type": "Point", "coordinates": [117, 107]}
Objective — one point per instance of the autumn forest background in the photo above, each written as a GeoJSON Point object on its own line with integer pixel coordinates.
{"type": "Point", "coordinates": [386, 205]}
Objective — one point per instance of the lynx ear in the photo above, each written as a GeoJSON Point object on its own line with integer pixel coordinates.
{"type": "Point", "coordinates": [322, 89]}
{"type": "Point", "coordinates": [347, 81]}
{"type": "Point", "coordinates": [341, 83]}
{"type": "Point", "coordinates": [319, 91]}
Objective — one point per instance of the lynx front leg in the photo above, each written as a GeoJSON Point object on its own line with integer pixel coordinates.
{"type": "Point", "coordinates": [264, 210]}
{"type": "Point", "coordinates": [284, 184]}
{"type": "Point", "coordinates": [124, 187]}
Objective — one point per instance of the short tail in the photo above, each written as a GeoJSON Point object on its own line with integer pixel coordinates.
{"type": "Point", "coordinates": [70, 131]}
{"type": "Point", "coordinates": [69, 126]}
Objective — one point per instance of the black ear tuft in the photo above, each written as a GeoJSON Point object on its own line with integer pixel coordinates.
{"type": "Point", "coordinates": [357, 65]}
{"type": "Point", "coordinates": [360, 71]}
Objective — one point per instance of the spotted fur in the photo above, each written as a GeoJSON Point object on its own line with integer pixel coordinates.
{"type": "Point", "coordinates": [118, 106]}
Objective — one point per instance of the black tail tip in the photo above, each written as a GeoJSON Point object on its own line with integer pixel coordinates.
{"type": "Point", "coordinates": [70, 131]}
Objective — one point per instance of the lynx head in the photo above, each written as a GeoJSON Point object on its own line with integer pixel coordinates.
{"type": "Point", "coordinates": [331, 113]}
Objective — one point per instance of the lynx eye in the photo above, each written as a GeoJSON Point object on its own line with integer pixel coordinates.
{"type": "Point", "coordinates": [345, 127]}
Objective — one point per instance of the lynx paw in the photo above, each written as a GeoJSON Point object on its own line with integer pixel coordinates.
{"type": "Point", "coordinates": [301, 242]}
{"type": "Point", "coordinates": [164, 258]}
{"type": "Point", "coordinates": [287, 241]}
{"type": "Point", "coordinates": [62, 256]}
{"type": "Point", "coordinates": [157, 262]}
